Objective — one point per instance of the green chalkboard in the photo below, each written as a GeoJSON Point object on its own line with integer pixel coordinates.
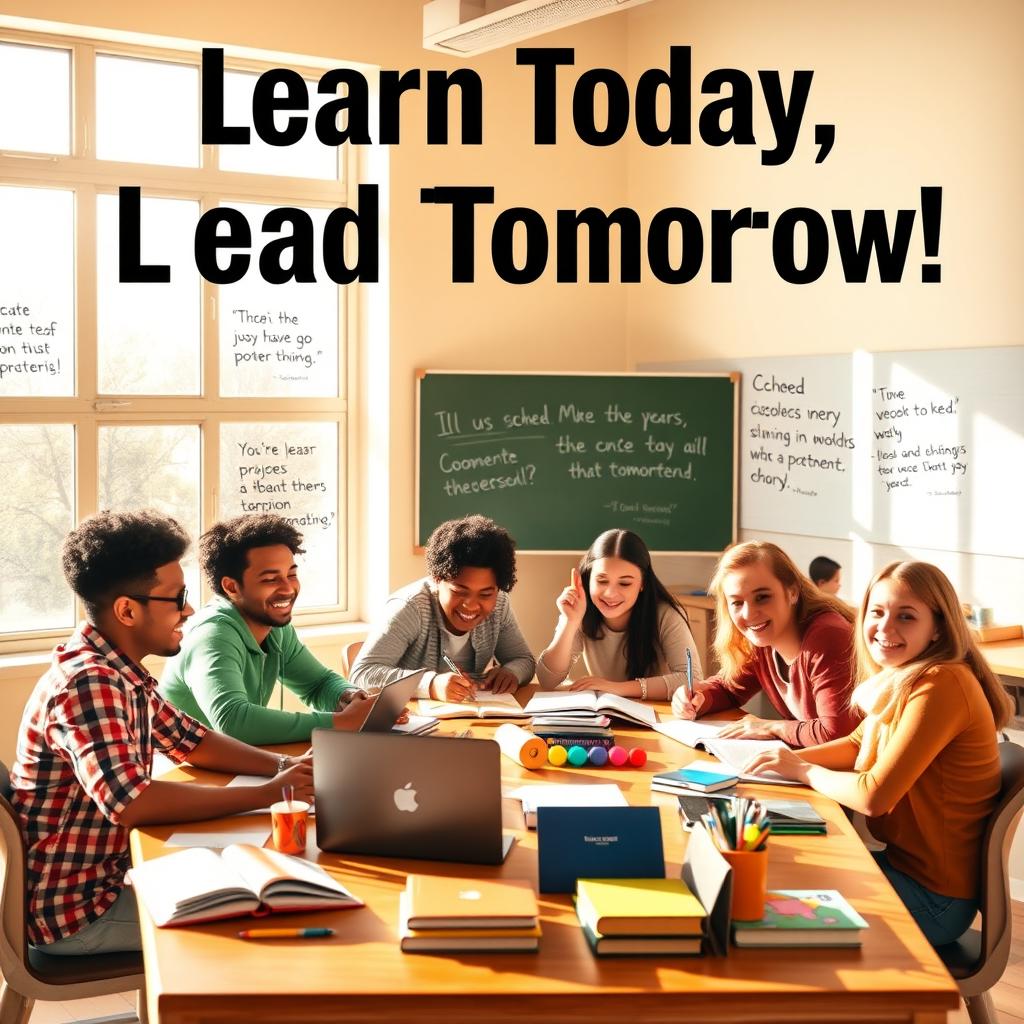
{"type": "Point", "coordinates": [558, 458]}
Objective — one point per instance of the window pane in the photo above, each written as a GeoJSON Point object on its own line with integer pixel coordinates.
{"type": "Point", "coordinates": [37, 508]}
{"type": "Point", "coordinates": [147, 111]}
{"type": "Point", "coordinates": [278, 340]}
{"type": "Point", "coordinates": [37, 289]}
{"type": "Point", "coordinates": [35, 115]}
{"type": "Point", "coordinates": [154, 467]}
{"type": "Point", "coordinates": [292, 470]}
{"type": "Point", "coordinates": [307, 158]}
{"type": "Point", "coordinates": [148, 334]}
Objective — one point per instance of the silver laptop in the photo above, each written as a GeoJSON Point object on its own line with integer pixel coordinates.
{"type": "Point", "coordinates": [390, 702]}
{"type": "Point", "coordinates": [429, 797]}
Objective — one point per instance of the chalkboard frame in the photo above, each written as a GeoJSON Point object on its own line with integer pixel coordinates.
{"type": "Point", "coordinates": [733, 376]}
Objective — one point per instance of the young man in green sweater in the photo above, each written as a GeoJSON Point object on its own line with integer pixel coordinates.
{"type": "Point", "coordinates": [242, 642]}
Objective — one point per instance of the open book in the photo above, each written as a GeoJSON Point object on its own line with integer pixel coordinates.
{"type": "Point", "coordinates": [486, 705]}
{"type": "Point", "coordinates": [588, 703]}
{"type": "Point", "coordinates": [733, 753]}
{"type": "Point", "coordinates": [202, 885]}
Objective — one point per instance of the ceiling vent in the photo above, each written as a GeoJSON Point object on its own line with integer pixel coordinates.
{"type": "Point", "coordinates": [467, 27]}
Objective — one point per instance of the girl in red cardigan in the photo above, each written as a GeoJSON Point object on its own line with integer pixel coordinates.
{"type": "Point", "coordinates": [779, 634]}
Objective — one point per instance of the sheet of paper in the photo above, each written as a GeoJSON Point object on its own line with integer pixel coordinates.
{"type": "Point", "coordinates": [254, 780]}
{"type": "Point", "coordinates": [578, 795]}
{"type": "Point", "coordinates": [688, 733]}
{"type": "Point", "coordinates": [218, 840]}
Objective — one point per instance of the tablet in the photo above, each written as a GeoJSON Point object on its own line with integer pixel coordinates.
{"type": "Point", "coordinates": [391, 702]}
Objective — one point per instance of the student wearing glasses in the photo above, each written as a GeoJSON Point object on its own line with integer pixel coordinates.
{"type": "Point", "coordinates": [243, 643]}
{"type": "Point", "coordinates": [82, 776]}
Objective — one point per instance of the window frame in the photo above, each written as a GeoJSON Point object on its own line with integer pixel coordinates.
{"type": "Point", "coordinates": [87, 409]}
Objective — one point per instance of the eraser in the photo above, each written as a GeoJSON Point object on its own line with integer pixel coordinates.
{"type": "Point", "coordinates": [638, 757]}
{"type": "Point", "coordinates": [577, 757]}
{"type": "Point", "coordinates": [618, 756]}
{"type": "Point", "coordinates": [557, 755]}
{"type": "Point", "coordinates": [598, 756]}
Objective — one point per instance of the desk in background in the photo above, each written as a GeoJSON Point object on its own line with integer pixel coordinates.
{"type": "Point", "coordinates": [206, 975]}
{"type": "Point", "coordinates": [700, 610]}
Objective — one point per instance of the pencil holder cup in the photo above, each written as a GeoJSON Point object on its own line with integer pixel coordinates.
{"type": "Point", "coordinates": [749, 883]}
{"type": "Point", "coordinates": [289, 820]}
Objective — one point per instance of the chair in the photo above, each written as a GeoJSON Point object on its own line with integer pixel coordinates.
{"type": "Point", "coordinates": [28, 974]}
{"type": "Point", "coordinates": [977, 960]}
{"type": "Point", "coordinates": [349, 654]}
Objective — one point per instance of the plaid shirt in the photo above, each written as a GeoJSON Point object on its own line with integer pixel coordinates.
{"type": "Point", "coordinates": [85, 752]}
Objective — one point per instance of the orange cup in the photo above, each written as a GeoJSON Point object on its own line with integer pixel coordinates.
{"type": "Point", "coordinates": [749, 883]}
{"type": "Point", "coordinates": [289, 820]}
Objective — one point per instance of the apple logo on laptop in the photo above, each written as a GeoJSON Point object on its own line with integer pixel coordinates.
{"type": "Point", "coordinates": [405, 798]}
{"type": "Point", "coordinates": [469, 894]}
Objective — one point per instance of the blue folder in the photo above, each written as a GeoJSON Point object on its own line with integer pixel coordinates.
{"type": "Point", "coordinates": [597, 842]}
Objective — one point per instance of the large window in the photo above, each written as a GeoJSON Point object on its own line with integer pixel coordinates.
{"type": "Point", "coordinates": [199, 400]}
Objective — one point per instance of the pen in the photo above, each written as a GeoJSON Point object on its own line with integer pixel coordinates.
{"type": "Point", "coordinates": [452, 667]}
{"type": "Point", "coordinates": [285, 933]}
{"type": "Point", "coordinates": [689, 674]}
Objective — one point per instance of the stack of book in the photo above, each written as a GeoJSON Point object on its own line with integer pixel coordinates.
{"type": "Point", "coordinates": [706, 777]}
{"type": "Point", "coordinates": [467, 915]}
{"type": "Point", "coordinates": [587, 707]}
{"type": "Point", "coordinates": [568, 730]}
{"type": "Point", "coordinates": [635, 916]}
{"type": "Point", "coordinates": [786, 817]}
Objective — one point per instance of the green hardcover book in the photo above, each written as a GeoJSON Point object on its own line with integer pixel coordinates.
{"type": "Point", "coordinates": [802, 917]}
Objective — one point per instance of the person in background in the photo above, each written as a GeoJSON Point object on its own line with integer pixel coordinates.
{"type": "Point", "coordinates": [82, 775]}
{"type": "Point", "coordinates": [242, 643]}
{"type": "Point", "coordinates": [616, 614]}
{"type": "Point", "coordinates": [923, 766]}
{"type": "Point", "coordinates": [458, 614]}
{"type": "Point", "coordinates": [826, 574]}
{"type": "Point", "coordinates": [777, 633]}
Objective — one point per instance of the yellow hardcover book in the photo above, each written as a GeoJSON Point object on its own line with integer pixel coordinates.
{"type": "Point", "coordinates": [638, 906]}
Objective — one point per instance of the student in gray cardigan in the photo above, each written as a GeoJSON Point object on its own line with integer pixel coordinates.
{"type": "Point", "coordinates": [460, 610]}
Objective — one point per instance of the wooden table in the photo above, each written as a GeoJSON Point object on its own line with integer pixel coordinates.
{"type": "Point", "coordinates": [1006, 657]}
{"type": "Point", "coordinates": [206, 975]}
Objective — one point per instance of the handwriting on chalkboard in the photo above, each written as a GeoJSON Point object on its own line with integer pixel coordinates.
{"type": "Point", "coordinates": [641, 444]}
{"type": "Point", "coordinates": [272, 338]}
{"type": "Point", "coordinates": [24, 350]}
{"type": "Point", "coordinates": [795, 439]}
{"type": "Point", "coordinates": [916, 441]}
{"type": "Point", "coordinates": [282, 478]}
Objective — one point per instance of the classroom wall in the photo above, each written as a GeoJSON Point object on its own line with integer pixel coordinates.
{"type": "Point", "coordinates": [921, 93]}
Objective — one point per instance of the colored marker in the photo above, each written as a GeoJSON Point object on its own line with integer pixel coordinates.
{"type": "Point", "coordinates": [286, 933]}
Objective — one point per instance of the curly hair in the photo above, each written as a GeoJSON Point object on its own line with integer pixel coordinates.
{"type": "Point", "coordinates": [474, 541]}
{"type": "Point", "coordinates": [113, 553]}
{"type": "Point", "coordinates": [224, 548]}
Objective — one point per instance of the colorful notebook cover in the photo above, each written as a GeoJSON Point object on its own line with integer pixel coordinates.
{"type": "Point", "coordinates": [703, 780]}
{"type": "Point", "coordinates": [802, 917]}
{"type": "Point", "coordinates": [639, 906]}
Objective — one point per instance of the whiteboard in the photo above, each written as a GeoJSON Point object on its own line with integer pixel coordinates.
{"type": "Point", "coordinates": [920, 449]}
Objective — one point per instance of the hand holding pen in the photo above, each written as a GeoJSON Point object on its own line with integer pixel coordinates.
{"type": "Point", "coordinates": [454, 686]}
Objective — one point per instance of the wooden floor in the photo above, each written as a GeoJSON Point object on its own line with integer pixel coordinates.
{"type": "Point", "coordinates": [1008, 994]}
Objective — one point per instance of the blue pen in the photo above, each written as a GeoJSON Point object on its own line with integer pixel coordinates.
{"type": "Point", "coordinates": [689, 674]}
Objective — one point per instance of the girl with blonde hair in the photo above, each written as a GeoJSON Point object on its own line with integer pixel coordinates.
{"type": "Point", "coordinates": [777, 633]}
{"type": "Point", "coordinates": [923, 766]}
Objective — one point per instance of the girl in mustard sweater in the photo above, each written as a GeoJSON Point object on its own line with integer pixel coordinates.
{"type": "Point", "coordinates": [923, 766]}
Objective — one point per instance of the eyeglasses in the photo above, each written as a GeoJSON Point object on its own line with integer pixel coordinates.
{"type": "Point", "coordinates": [179, 602]}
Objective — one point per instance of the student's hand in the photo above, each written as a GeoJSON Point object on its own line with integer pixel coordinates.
{"type": "Point", "coordinates": [352, 716]}
{"type": "Point", "coordinates": [298, 775]}
{"type": "Point", "coordinates": [451, 687]}
{"type": "Point", "coordinates": [750, 727]}
{"type": "Point", "coordinates": [499, 680]}
{"type": "Point", "coordinates": [682, 707]}
{"type": "Point", "coordinates": [784, 762]}
{"type": "Point", "coordinates": [572, 602]}
{"type": "Point", "coordinates": [597, 683]}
